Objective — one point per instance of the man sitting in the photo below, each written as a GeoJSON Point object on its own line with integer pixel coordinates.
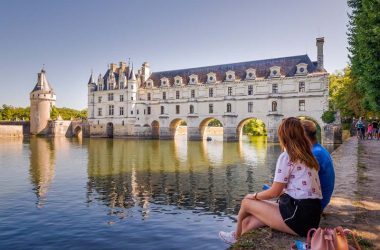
{"type": "Point", "coordinates": [326, 169]}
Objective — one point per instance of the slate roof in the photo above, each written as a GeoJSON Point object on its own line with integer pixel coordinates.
{"type": "Point", "coordinates": [42, 83]}
{"type": "Point", "coordinates": [287, 64]}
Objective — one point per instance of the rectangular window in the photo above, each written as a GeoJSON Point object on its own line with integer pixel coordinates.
{"type": "Point", "coordinates": [211, 108]}
{"type": "Point", "coordinates": [131, 112]}
{"type": "Point", "coordinates": [110, 109]}
{"type": "Point", "coordinates": [131, 98]}
{"type": "Point", "coordinates": [121, 110]}
{"type": "Point", "coordinates": [110, 96]}
{"type": "Point", "coordinates": [250, 89]}
{"type": "Point", "coordinates": [148, 110]}
{"type": "Point", "coordinates": [210, 92]}
{"type": "Point", "coordinates": [177, 94]}
{"type": "Point", "coordinates": [100, 112]}
{"type": "Point", "coordinates": [301, 105]}
{"type": "Point", "coordinates": [99, 99]}
{"type": "Point", "coordinates": [162, 110]}
{"type": "Point", "coordinates": [177, 109]}
{"type": "Point", "coordinates": [122, 98]}
{"type": "Point", "coordinates": [302, 87]}
{"type": "Point", "coordinates": [229, 91]}
{"type": "Point", "coordinates": [131, 86]}
{"type": "Point", "coordinates": [149, 96]}
{"type": "Point", "coordinates": [164, 95]}
{"type": "Point", "coordinates": [274, 88]}
{"type": "Point", "coordinates": [193, 93]}
{"type": "Point", "coordinates": [138, 111]}
{"type": "Point", "coordinates": [250, 107]}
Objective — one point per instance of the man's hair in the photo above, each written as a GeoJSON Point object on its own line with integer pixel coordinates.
{"type": "Point", "coordinates": [310, 129]}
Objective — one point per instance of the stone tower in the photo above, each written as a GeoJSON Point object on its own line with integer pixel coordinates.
{"type": "Point", "coordinates": [42, 99]}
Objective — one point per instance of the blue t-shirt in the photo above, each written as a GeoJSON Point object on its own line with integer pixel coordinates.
{"type": "Point", "coordinates": [326, 172]}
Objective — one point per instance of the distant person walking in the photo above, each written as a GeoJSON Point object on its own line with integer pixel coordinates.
{"type": "Point", "coordinates": [296, 181]}
{"type": "Point", "coordinates": [369, 130]}
{"type": "Point", "coordinates": [375, 127]}
{"type": "Point", "coordinates": [360, 128]}
{"type": "Point", "coordinates": [326, 168]}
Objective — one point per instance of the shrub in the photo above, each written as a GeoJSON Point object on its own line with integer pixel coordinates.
{"type": "Point", "coordinates": [328, 116]}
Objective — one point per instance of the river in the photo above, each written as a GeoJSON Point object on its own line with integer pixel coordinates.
{"type": "Point", "coordinates": [126, 194]}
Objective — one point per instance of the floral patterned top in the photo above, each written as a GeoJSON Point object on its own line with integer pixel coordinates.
{"type": "Point", "coordinates": [302, 182]}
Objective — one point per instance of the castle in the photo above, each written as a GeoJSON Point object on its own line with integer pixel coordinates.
{"type": "Point", "coordinates": [145, 104]}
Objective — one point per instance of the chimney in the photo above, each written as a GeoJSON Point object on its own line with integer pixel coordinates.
{"type": "Point", "coordinates": [320, 41]}
{"type": "Point", "coordinates": [122, 66]}
{"type": "Point", "coordinates": [145, 71]}
{"type": "Point", "coordinates": [113, 67]}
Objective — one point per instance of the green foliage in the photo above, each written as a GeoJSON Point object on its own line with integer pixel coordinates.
{"type": "Point", "coordinates": [344, 94]}
{"type": "Point", "coordinates": [254, 127]}
{"type": "Point", "coordinates": [215, 123]}
{"type": "Point", "coordinates": [364, 48]}
{"type": "Point", "coordinates": [328, 116]}
{"type": "Point", "coordinates": [68, 114]}
{"type": "Point", "coordinates": [10, 113]}
{"type": "Point", "coordinates": [183, 123]}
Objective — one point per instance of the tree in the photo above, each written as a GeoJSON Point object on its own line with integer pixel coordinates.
{"type": "Point", "coordinates": [364, 48]}
{"type": "Point", "coordinates": [254, 127]}
{"type": "Point", "coordinates": [344, 94]}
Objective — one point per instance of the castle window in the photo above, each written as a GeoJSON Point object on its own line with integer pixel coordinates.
{"type": "Point", "coordinates": [131, 86]}
{"type": "Point", "coordinates": [110, 109]}
{"type": "Point", "coordinates": [230, 75]}
{"type": "Point", "coordinates": [274, 106]}
{"type": "Point", "coordinates": [121, 110]}
{"type": "Point", "coordinates": [210, 92]}
{"type": "Point", "coordinates": [178, 80]}
{"type": "Point", "coordinates": [211, 108]}
{"type": "Point", "coordinates": [111, 86]}
{"type": "Point", "coordinates": [99, 112]}
{"type": "Point", "coordinates": [148, 110]}
{"type": "Point", "coordinates": [193, 93]}
{"type": "Point", "coordinates": [110, 96]}
{"type": "Point", "coordinates": [229, 108]}
{"type": "Point", "coordinates": [177, 109]}
{"type": "Point", "coordinates": [99, 99]}
{"type": "Point", "coordinates": [229, 91]}
{"type": "Point", "coordinates": [250, 107]}
{"type": "Point", "coordinates": [122, 123]}
{"type": "Point", "coordinates": [250, 74]}
{"type": "Point", "coordinates": [149, 96]}
{"type": "Point", "coordinates": [301, 69]}
{"type": "Point", "coordinates": [131, 112]}
{"type": "Point", "coordinates": [164, 82]}
{"type": "Point", "coordinates": [177, 94]}
{"type": "Point", "coordinates": [131, 98]}
{"type": "Point", "coordinates": [164, 95]}
{"type": "Point", "coordinates": [301, 105]}
{"type": "Point", "coordinates": [274, 88]}
{"type": "Point", "coordinates": [122, 98]}
{"type": "Point", "coordinates": [275, 71]}
{"type": "Point", "coordinates": [162, 110]}
{"type": "Point", "coordinates": [193, 79]}
{"type": "Point", "coordinates": [138, 111]}
{"type": "Point", "coordinates": [301, 87]}
{"type": "Point", "coordinates": [211, 77]}
{"type": "Point", "coordinates": [191, 109]}
{"type": "Point", "coordinates": [250, 89]}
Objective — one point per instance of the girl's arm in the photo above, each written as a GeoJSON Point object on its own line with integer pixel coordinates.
{"type": "Point", "coordinates": [274, 191]}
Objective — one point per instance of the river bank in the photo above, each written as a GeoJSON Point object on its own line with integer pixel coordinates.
{"type": "Point", "coordinates": [355, 203]}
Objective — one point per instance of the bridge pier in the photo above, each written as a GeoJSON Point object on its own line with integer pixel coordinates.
{"type": "Point", "coordinates": [194, 134]}
{"type": "Point", "coordinates": [273, 122]}
{"type": "Point", "coordinates": [230, 134]}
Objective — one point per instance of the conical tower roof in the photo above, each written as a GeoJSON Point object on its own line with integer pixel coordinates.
{"type": "Point", "coordinates": [132, 75]}
{"type": "Point", "coordinates": [91, 80]}
{"type": "Point", "coordinates": [42, 83]}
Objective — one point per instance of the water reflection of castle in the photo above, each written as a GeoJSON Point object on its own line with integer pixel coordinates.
{"type": "Point", "coordinates": [42, 166]}
{"type": "Point", "coordinates": [209, 176]}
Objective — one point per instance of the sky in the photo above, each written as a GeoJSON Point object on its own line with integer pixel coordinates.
{"type": "Point", "coordinates": [73, 37]}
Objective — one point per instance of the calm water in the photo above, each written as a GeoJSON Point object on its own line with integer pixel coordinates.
{"type": "Point", "coordinates": [126, 194]}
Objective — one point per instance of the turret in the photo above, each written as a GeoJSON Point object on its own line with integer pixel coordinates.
{"type": "Point", "coordinates": [91, 86]}
{"type": "Point", "coordinates": [319, 42]}
{"type": "Point", "coordinates": [42, 99]}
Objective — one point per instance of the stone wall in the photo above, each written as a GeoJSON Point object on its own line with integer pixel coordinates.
{"type": "Point", "coordinates": [11, 131]}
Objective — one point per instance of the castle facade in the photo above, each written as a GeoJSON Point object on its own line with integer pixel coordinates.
{"type": "Point", "coordinates": [145, 104]}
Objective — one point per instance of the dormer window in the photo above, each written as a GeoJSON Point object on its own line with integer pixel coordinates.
{"type": "Point", "coordinates": [230, 76]}
{"type": "Point", "coordinates": [149, 84]}
{"type": "Point", "coordinates": [275, 71]}
{"type": "Point", "coordinates": [178, 80]}
{"type": "Point", "coordinates": [193, 79]}
{"type": "Point", "coordinates": [211, 77]}
{"type": "Point", "coordinates": [301, 69]}
{"type": "Point", "coordinates": [250, 74]}
{"type": "Point", "coordinates": [164, 82]}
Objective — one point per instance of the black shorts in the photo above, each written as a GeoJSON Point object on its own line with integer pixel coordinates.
{"type": "Point", "coordinates": [300, 215]}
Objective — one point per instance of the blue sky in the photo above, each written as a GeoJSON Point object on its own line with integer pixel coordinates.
{"type": "Point", "coordinates": [71, 37]}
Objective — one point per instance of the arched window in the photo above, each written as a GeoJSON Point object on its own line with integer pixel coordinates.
{"type": "Point", "coordinates": [274, 106]}
{"type": "Point", "coordinates": [229, 107]}
{"type": "Point", "coordinates": [191, 109]}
